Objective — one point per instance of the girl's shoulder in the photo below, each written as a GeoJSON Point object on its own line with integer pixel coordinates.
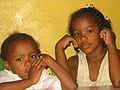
{"type": "Point", "coordinates": [73, 59]}
{"type": "Point", "coordinates": [73, 65]}
{"type": "Point", "coordinates": [73, 62]}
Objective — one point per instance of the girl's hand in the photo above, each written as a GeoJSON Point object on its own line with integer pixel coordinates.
{"type": "Point", "coordinates": [66, 41]}
{"type": "Point", "coordinates": [108, 37]}
{"type": "Point", "coordinates": [47, 59]}
{"type": "Point", "coordinates": [36, 69]}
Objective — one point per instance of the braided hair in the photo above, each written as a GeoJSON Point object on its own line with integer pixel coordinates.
{"type": "Point", "coordinates": [98, 17]}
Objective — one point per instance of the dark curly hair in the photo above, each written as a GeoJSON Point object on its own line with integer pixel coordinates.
{"type": "Point", "coordinates": [13, 38]}
{"type": "Point", "coordinates": [92, 12]}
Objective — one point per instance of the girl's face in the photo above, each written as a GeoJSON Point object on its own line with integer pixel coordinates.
{"type": "Point", "coordinates": [86, 33]}
{"type": "Point", "coordinates": [20, 55]}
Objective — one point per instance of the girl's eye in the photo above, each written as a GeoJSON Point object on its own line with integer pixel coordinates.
{"type": "Point", "coordinates": [19, 59]}
{"type": "Point", "coordinates": [33, 57]}
{"type": "Point", "coordinates": [89, 31]}
{"type": "Point", "coordinates": [76, 34]}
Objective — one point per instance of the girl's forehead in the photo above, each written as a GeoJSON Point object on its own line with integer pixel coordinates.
{"type": "Point", "coordinates": [84, 21]}
{"type": "Point", "coordinates": [85, 17]}
{"type": "Point", "coordinates": [21, 48]}
{"type": "Point", "coordinates": [22, 43]}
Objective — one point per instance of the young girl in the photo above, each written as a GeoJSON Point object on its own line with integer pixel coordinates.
{"type": "Point", "coordinates": [98, 61]}
{"type": "Point", "coordinates": [25, 67]}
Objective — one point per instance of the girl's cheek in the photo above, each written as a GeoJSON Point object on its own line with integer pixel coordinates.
{"type": "Point", "coordinates": [76, 38]}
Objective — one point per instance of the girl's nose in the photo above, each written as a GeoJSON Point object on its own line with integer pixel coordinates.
{"type": "Point", "coordinates": [28, 65]}
{"type": "Point", "coordinates": [28, 62]}
{"type": "Point", "coordinates": [84, 37]}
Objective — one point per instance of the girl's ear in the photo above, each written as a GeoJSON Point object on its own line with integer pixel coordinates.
{"type": "Point", "coordinates": [6, 65]}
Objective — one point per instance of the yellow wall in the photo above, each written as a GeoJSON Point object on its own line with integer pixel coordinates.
{"type": "Point", "coordinates": [46, 20]}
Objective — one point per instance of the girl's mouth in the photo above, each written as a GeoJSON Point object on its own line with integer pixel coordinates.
{"type": "Point", "coordinates": [85, 45]}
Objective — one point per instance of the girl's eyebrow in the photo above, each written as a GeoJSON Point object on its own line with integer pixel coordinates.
{"type": "Point", "coordinates": [18, 56]}
{"type": "Point", "coordinates": [90, 27]}
{"type": "Point", "coordinates": [35, 52]}
{"type": "Point", "coordinates": [75, 30]}
{"type": "Point", "coordinates": [85, 28]}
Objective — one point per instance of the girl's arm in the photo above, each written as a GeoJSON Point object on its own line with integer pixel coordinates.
{"type": "Point", "coordinates": [113, 55]}
{"type": "Point", "coordinates": [60, 47]}
{"type": "Point", "coordinates": [16, 85]}
{"type": "Point", "coordinates": [63, 75]}
{"type": "Point", "coordinates": [114, 65]}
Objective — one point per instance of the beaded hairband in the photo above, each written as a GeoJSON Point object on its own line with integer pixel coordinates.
{"type": "Point", "coordinates": [91, 6]}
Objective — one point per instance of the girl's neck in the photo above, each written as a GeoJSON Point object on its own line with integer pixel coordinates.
{"type": "Point", "coordinates": [98, 54]}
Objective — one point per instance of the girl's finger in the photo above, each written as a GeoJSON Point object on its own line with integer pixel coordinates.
{"type": "Point", "coordinates": [102, 34]}
{"type": "Point", "coordinates": [33, 63]}
{"type": "Point", "coordinates": [36, 62]}
{"type": "Point", "coordinates": [41, 65]}
{"type": "Point", "coordinates": [74, 42]}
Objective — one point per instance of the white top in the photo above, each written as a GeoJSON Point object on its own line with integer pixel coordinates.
{"type": "Point", "coordinates": [46, 82]}
{"type": "Point", "coordinates": [83, 72]}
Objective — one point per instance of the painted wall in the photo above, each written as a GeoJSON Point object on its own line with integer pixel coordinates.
{"type": "Point", "coordinates": [47, 20]}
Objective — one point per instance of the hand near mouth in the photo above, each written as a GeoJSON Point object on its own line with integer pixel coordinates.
{"type": "Point", "coordinates": [36, 69]}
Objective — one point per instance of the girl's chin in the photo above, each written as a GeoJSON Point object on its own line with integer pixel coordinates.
{"type": "Point", "coordinates": [24, 77]}
{"type": "Point", "coordinates": [87, 51]}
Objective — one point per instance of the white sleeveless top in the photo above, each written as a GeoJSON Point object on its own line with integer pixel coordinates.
{"type": "Point", "coordinates": [83, 72]}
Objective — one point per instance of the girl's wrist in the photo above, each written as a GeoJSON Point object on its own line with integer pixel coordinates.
{"type": "Point", "coordinates": [29, 81]}
{"type": "Point", "coordinates": [59, 47]}
{"type": "Point", "coordinates": [111, 46]}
